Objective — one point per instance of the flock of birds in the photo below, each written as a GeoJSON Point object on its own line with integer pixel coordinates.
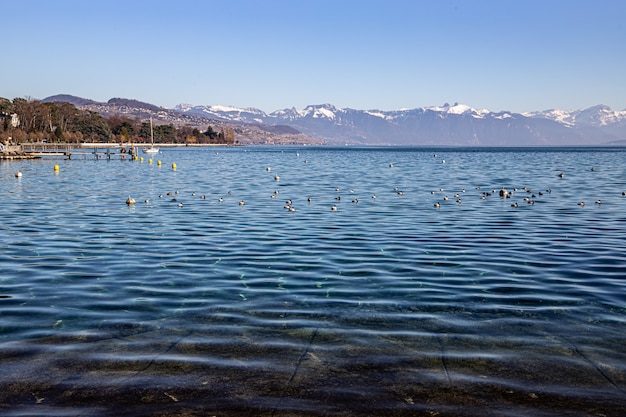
{"type": "Point", "coordinates": [529, 196]}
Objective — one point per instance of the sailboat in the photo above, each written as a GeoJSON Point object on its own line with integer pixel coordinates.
{"type": "Point", "coordinates": [151, 150]}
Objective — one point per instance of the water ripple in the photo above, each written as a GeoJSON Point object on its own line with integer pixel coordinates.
{"type": "Point", "coordinates": [384, 305]}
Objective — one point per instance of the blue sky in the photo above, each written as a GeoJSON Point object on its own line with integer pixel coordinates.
{"type": "Point", "coordinates": [364, 54]}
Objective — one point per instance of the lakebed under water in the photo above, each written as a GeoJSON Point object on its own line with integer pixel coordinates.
{"type": "Point", "coordinates": [196, 304]}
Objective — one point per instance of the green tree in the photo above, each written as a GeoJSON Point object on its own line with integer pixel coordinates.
{"type": "Point", "coordinates": [58, 134]}
{"type": "Point", "coordinates": [6, 107]}
{"type": "Point", "coordinates": [167, 133]}
{"type": "Point", "coordinates": [92, 126]}
{"type": "Point", "coordinates": [210, 133]}
{"type": "Point", "coordinates": [122, 127]}
{"type": "Point", "coordinates": [26, 110]}
{"type": "Point", "coordinates": [66, 113]}
{"type": "Point", "coordinates": [144, 131]}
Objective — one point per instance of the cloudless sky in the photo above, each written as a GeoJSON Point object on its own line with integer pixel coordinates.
{"type": "Point", "coordinates": [512, 55]}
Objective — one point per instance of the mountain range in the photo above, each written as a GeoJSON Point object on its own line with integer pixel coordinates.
{"type": "Point", "coordinates": [452, 125]}
{"type": "Point", "coordinates": [446, 125]}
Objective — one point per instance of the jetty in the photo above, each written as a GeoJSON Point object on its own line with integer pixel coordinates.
{"type": "Point", "coordinates": [13, 152]}
{"type": "Point", "coordinates": [69, 151]}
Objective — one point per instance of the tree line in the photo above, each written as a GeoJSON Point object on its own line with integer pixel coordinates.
{"type": "Point", "coordinates": [26, 120]}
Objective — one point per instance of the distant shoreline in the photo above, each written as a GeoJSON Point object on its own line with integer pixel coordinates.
{"type": "Point", "coordinates": [124, 145]}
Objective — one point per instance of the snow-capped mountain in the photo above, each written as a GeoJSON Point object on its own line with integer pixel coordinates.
{"type": "Point", "coordinates": [595, 116]}
{"type": "Point", "coordinates": [229, 113]}
{"type": "Point", "coordinates": [457, 125]}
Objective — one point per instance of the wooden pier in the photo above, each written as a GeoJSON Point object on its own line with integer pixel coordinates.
{"type": "Point", "coordinates": [84, 150]}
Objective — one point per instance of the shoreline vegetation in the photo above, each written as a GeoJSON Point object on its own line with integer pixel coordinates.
{"type": "Point", "coordinates": [24, 120]}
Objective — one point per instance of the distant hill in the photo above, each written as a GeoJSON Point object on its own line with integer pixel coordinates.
{"type": "Point", "coordinates": [121, 102]}
{"type": "Point", "coordinates": [66, 98]}
{"type": "Point", "coordinates": [125, 102]}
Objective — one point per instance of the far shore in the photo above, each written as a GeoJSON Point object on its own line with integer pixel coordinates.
{"type": "Point", "coordinates": [17, 147]}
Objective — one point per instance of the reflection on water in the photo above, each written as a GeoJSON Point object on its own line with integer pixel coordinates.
{"type": "Point", "coordinates": [186, 305]}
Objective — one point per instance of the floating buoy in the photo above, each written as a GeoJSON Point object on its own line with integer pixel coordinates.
{"type": "Point", "coordinates": [159, 162]}
{"type": "Point", "coordinates": [277, 178]}
{"type": "Point", "coordinates": [18, 174]}
{"type": "Point", "coordinates": [173, 165]}
{"type": "Point", "coordinates": [130, 201]}
{"type": "Point", "coordinates": [141, 159]}
{"type": "Point", "coordinates": [56, 168]}
{"type": "Point", "coordinates": [268, 169]}
{"type": "Point", "coordinates": [150, 160]}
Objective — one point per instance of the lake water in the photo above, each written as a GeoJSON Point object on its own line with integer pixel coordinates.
{"type": "Point", "coordinates": [384, 306]}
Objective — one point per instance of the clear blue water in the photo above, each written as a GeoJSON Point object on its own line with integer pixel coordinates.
{"type": "Point", "coordinates": [387, 305]}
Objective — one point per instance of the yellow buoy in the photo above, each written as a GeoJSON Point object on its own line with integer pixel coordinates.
{"type": "Point", "coordinates": [56, 167]}
{"type": "Point", "coordinates": [149, 160]}
{"type": "Point", "coordinates": [159, 162]}
{"type": "Point", "coordinates": [141, 159]}
{"type": "Point", "coordinates": [174, 165]}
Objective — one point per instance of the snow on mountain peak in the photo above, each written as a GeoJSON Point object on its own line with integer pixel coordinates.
{"type": "Point", "coordinates": [238, 110]}
{"type": "Point", "coordinates": [599, 115]}
{"type": "Point", "coordinates": [458, 109]}
{"type": "Point", "coordinates": [227, 109]}
{"type": "Point", "coordinates": [323, 112]}
{"type": "Point", "coordinates": [327, 111]}
{"type": "Point", "coordinates": [183, 107]}
{"type": "Point", "coordinates": [377, 113]}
